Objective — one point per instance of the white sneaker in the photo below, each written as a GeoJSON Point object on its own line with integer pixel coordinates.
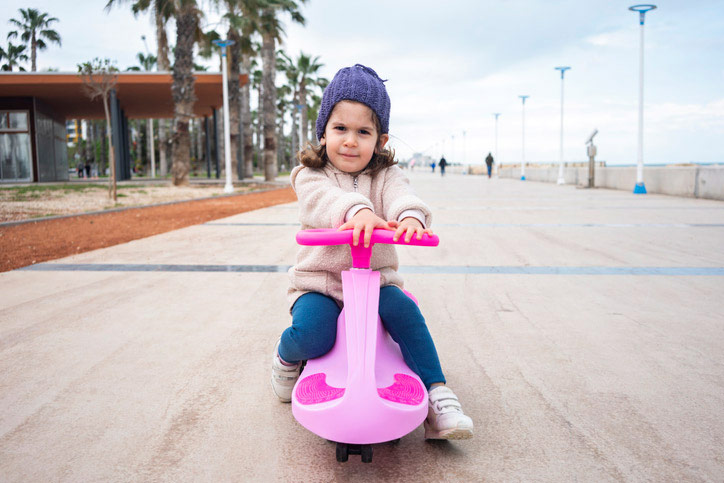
{"type": "Point", "coordinates": [283, 377]}
{"type": "Point", "coordinates": [445, 418]}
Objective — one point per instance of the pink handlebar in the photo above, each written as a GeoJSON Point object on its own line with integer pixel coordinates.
{"type": "Point", "coordinates": [344, 237]}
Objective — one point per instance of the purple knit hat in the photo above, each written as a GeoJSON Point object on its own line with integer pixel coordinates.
{"type": "Point", "coordinates": [357, 83]}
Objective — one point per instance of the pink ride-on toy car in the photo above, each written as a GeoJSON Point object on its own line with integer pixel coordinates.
{"type": "Point", "coordinates": [361, 392]}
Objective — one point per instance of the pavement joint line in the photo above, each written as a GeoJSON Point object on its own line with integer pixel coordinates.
{"type": "Point", "coordinates": [419, 269]}
{"type": "Point", "coordinates": [573, 208]}
{"type": "Point", "coordinates": [525, 225]}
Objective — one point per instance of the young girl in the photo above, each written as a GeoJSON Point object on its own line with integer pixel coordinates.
{"type": "Point", "coordinates": [350, 182]}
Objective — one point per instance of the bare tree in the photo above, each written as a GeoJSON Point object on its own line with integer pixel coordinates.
{"type": "Point", "coordinates": [99, 79]}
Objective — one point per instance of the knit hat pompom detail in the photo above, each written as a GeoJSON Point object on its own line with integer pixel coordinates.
{"type": "Point", "coordinates": [357, 83]}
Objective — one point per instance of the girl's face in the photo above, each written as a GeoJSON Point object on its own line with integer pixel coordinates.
{"type": "Point", "coordinates": [350, 137]}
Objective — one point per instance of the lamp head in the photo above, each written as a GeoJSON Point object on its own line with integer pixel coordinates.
{"type": "Point", "coordinates": [642, 9]}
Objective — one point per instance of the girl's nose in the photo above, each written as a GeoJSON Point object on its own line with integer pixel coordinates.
{"type": "Point", "coordinates": [350, 139]}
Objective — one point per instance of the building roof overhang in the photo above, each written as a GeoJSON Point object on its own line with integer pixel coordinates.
{"type": "Point", "coordinates": [141, 94]}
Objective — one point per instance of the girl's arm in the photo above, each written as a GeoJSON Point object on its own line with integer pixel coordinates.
{"type": "Point", "coordinates": [323, 204]}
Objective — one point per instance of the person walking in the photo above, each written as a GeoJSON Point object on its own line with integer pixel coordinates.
{"type": "Point", "coordinates": [442, 163]}
{"type": "Point", "coordinates": [489, 161]}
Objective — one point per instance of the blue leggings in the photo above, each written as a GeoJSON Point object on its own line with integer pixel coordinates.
{"type": "Point", "coordinates": [314, 330]}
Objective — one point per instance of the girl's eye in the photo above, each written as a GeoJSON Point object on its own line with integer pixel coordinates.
{"type": "Point", "coordinates": [364, 131]}
{"type": "Point", "coordinates": [339, 128]}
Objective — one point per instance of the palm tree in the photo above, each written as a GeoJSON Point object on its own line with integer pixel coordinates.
{"type": "Point", "coordinates": [256, 78]}
{"type": "Point", "coordinates": [13, 55]}
{"type": "Point", "coordinates": [248, 49]}
{"type": "Point", "coordinates": [308, 67]}
{"type": "Point", "coordinates": [163, 11]}
{"type": "Point", "coordinates": [292, 74]}
{"type": "Point", "coordinates": [34, 29]}
{"type": "Point", "coordinates": [147, 63]}
{"type": "Point", "coordinates": [271, 30]}
{"type": "Point", "coordinates": [187, 16]}
{"type": "Point", "coordinates": [283, 103]}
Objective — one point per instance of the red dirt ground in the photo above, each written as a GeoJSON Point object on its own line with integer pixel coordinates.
{"type": "Point", "coordinates": [43, 240]}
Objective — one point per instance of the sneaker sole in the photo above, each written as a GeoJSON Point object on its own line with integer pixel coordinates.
{"type": "Point", "coordinates": [448, 434]}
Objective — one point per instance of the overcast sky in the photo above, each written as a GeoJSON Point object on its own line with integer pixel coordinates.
{"type": "Point", "coordinates": [450, 65]}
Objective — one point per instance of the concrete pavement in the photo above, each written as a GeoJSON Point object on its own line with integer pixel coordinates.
{"type": "Point", "coordinates": [583, 331]}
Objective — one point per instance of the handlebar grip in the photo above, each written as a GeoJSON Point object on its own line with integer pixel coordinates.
{"type": "Point", "coordinates": [328, 236]}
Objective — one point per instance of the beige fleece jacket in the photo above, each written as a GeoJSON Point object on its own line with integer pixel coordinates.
{"type": "Point", "coordinates": [325, 195]}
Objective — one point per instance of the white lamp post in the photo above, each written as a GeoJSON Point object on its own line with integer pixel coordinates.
{"type": "Point", "coordinates": [561, 179]}
{"type": "Point", "coordinates": [522, 164]}
{"type": "Point", "coordinates": [464, 150]}
{"type": "Point", "coordinates": [497, 161]}
{"type": "Point", "coordinates": [228, 187]}
{"type": "Point", "coordinates": [640, 188]}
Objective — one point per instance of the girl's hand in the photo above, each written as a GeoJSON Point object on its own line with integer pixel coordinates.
{"type": "Point", "coordinates": [410, 226]}
{"type": "Point", "coordinates": [366, 220]}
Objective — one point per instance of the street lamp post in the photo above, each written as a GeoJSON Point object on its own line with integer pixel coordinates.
{"type": "Point", "coordinates": [522, 164]}
{"type": "Point", "coordinates": [640, 188]}
{"type": "Point", "coordinates": [223, 44]}
{"type": "Point", "coordinates": [497, 168]}
{"type": "Point", "coordinates": [561, 179]}
{"type": "Point", "coordinates": [452, 147]}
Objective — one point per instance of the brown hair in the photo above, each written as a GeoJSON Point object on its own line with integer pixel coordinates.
{"type": "Point", "coordinates": [316, 156]}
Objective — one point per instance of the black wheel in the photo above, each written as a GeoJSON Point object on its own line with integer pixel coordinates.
{"type": "Point", "coordinates": [342, 452]}
{"type": "Point", "coordinates": [366, 453]}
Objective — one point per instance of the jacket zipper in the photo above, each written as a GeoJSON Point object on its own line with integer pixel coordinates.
{"type": "Point", "coordinates": [354, 181]}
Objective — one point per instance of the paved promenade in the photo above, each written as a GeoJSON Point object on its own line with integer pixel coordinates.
{"type": "Point", "coordinates": [582, 329]}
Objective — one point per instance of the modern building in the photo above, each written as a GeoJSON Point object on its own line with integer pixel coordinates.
{"type": "Point", "coordinates": [72, 131]}
{"type": "Point", "coordinates": [34, 108]}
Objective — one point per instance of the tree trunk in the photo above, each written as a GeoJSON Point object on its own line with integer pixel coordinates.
{"type": "Point", "coordinates": [269, 106]}
{"type": "Point", "coordinates": [234, 100]}
{"type": "Point", "coordinates": [163, 65]}
{"type": "Point", "coordinates": [151, 148]}
{"type": "Point", "coordinates": [281, 142]}
{"type": "Point", "coordinates": [33, 49]}
{"type": "Point", "coordinates": [293, 134]}
{"type": "Point", "coordinates": [183, 94]}
{"type": "Point", "coordinates": [259, 128]}
{"type": "Point", "coordinates": [104, 146]}
{"type": "Point", "coordinates": [90, 144]}
{"type": "Point", "coordinates": [303, 120]}
{"type": "Point", "coordinates": [247, 135]}
{"type": "Point", "coordinates": [112, 182]}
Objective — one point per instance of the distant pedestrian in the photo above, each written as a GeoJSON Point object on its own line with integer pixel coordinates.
{"type": "Point", "coordinates": [79, 168]}
{"type": "Point", "coordinates": [87, 170]}
{"type": "Point", "coordinates": [443, 163]}
{"type": "Point", "coordinates": [433, 166]}
{"type": "Point", "coordinates": [489, 161]}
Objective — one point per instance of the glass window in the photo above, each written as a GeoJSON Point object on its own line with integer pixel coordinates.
{"type": "Point", "coordinates": [15, 156]}
{"type": "Point", "coordinates": [18, 120]}
{"type": "Point", "coordinates": [3, 120]}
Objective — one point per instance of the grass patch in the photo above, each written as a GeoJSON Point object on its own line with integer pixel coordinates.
{"type": "Point", "coordinates": [40, 188]}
